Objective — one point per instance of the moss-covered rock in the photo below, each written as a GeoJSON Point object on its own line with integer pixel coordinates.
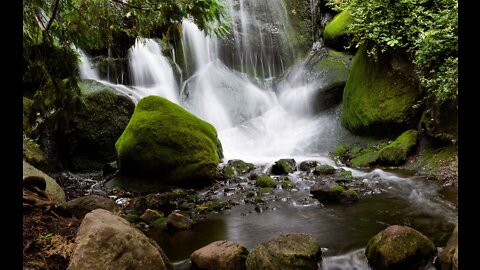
{"type": "Point", "coordinates": [236, 167]}
{"type": "Point", "coordinates": [89, 142]}
{"type": "Point", "coordinates": [287, 184]}
{"type": "Point", "coordinates": [284, 166]}
{"type": "Point", "coordinates": [367, 159]}
{"type": "Point", "coordinates": [397, 152]}
{"type": "Point", "coordinates": [288, 251]}
{"type": "Point", "coordinates": [399, 247]}
{"type": "Point", "coordinates": [177, 221]}
{"type": "Point", "coordinates": [336, 33]}
{"type": "Point", "coordinates": [165, 143]}
{"type": "Point", "coordinates": [324, 169]}
{"type": "Point", "coordinates": [440, 120]}
{"type": "Point", "coordinates": [343, 175]}
{"type": "Point", "coordinates": [379, 96]}
{"type": "Point", "coordinates": [132, 218]}
{"type": "Point", "coordinates": [151, 215]}
{"type": "Point", "coordinates": [265, 181]}
{"type": "Point", "coordinates": [330, 192]}
{"type": "Point", "coordinates": [307, 165]}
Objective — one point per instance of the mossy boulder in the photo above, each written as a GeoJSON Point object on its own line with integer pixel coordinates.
{"type": "Point", "coordinates": [324, 169]}
{"type": "Point", "coordinates": [265, 181]}
{"type": "Point", "coordinates": [89, 142]}
{"type": "Point", "coordinates": [343, 175]}
{"type": "Point", "coordinates": [379, 96]}
{"type": "Point", "coordinates": [368, 158]}
{"type": "Point", "coordinates": [399, 247]}
{"type": "Point", "coordinates": [166, 144]}
{"type": "Point", "coordinates": [336, 33]}
{"type": "Point", "coordinates": [284, 166]}
{"type": "Point", "coordinates": [288, 251]}
{"type": "Point", "coordinates": [177, 221]}
{"type": "Point", "coordinates": [330, 192]}
{"type": "Point", "coordinates": [396, 153]}
{"type": "Point", "coordinates": [236, 167]}
{"type": "Point", "coordinates": [151, 215]}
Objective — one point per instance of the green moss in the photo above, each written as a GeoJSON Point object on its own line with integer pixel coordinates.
{"type": "Point", "coordinates": [367, 159]}
{"type": "Point", "coordinates": [337, 189]}
{"type": "Point", "coordinates": [378, 100]}
{"type": "Point", "coordinates": [343, 175]}
{"type": "Point", "coordinates": [236, 167]}
{"type": "Point", "coordinates": [287, 184]}
{"type": "Point", "coordinates": [159, 223]}
{"type": "Point", "coordinates": [132, 218]}
{"type": "Point", "coordinates": [436, 161]}
{"type": "Point", "coordinates": [340, 150]}
{"type": "Point", "coordinates": [283, 166]}
{"type": "Point", "coordinates": [164, 141]}
{"type": "Point", "coordinates": [266, 190]}
{"type": "Point", "coordinates": [265, 181]}
{"type": "Point", "coordinates": [336, 32]}
{"type": "Point", "coordinates": [397, 152]}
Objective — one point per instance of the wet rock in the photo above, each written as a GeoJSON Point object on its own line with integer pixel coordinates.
{"type": "Point", "coordinates": [307, 165]}
{"type": "Point", "coordinates": [177, 221]}
{"type": "Point", "coordinates": [107, 241]}
{"type": "Point", "coordinates": [265, 181]}
{"type": "Point", "coordinates": [284, 166]}
{"type": "Point", "coordinates": [236, 167]}
{"type": "Point", "coordinates": [83, 205]}
{"type": "Point", "coordinates": [324, 169]}
{"type": "Point", "coordinates": [222, 254]}
{"type": "Point", "coordinates": [150, 215]}
{"type": "Point", "coordinates": [448, 258]}
{"type": "Point", "coordinates": [342, 175]}
{"type": "Point", "coordinates": [288, 251]}
{"type": "Point", "coordinates": [287, 184]}
{"type": "Point", "coordinates": [399, 247]}
{"type": "Point", "coordinates": [330, 192]}
{"type": "Point", "coordinates": [54, 189]}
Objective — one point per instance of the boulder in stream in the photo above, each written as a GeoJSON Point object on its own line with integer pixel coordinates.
{"type": "Point", "coordinates": [284, 166]}
{"type": "Point", "coordinates": [224, 254]}
{"type": "Point", "coordinates": [399, 247]}
{"type": "Point", "coordinates": [287, 251]}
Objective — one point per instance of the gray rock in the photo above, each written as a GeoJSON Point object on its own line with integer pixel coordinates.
{"type": "Point", "coordinates": [107, 241]}
{"type": "Point", "coordinates": [289, 251]}
{"type": "Point", "coordinates": [224, 254]}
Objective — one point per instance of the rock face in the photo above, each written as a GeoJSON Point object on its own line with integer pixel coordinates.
{"type": "Point", "coordinates": [223, 254]}
{"type": "Point", "coordinates": [107, 241]}
{"type": "Point", "coordinates": [379, 96]}
{"type": "Point", "coordinates": [336, 34]}
{"type": "Point", "coordinates": [83, 205]}
{"type": "Point", "coordinates": [396, 153]}
{"type": "Point", "coordinates": [165, 143]}
{"type": "Point", "coordinates": [448, 258]}
{"type": "Point", "coordinates": [58, 195]}
{"type": "Point", "coordinates": [90, 139]}
{"type": "Point", "coordinates": [441, 119]}
{"type": "Point", "coordinates": [289, 251]}
{"type": "Point", "coordinates": [399, 247]}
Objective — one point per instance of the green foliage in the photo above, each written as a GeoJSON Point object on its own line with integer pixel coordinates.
{"type": "Point", "coordinates": [426, 29]}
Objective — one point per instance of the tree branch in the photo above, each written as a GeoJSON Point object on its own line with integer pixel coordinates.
{"type": "Point", "coordinates": [54, 13]}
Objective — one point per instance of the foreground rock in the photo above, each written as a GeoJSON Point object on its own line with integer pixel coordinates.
{"type": "Point", "coordinates": [289, 251]}
{"type": "Point", "coordinates": [223, 254]}
{"type": "Point", "coordinates": [399, 247]}
{"type": "Point", "coordinates": [57, 193]}
{"type": "Point", "coordinates": [83, 205]}
{"type": "Point", "coordinates": [448, 258]}
{"type": "Point", "coordinates": [107, 241]}
{"type": "Point", "coordinates": [165, 143]}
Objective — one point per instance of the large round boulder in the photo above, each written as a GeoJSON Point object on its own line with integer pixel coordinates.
{"type": "Point", "coordinates": [222, 254]}
{"type": "Point", "coordinates": [288, 251]}
{"type": "Point", "coordinates": [107, 241]}
{"type": "Point", "coordinates": [399, 247]}
{"type": "Point", "coordinates": [165, 143]}
{"type": "Point", "coordinates": [380, 95]}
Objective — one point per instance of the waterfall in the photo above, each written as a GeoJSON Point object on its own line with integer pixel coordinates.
{"type": "Point", "coordinates": [230, 85]}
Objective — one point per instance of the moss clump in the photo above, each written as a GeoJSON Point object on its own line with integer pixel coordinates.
{"type": "Point", "coordinates": [284, 166]}
{"type": "Point", "coordinates": [132, 218]}
{"type": "Point", "coordinates": [165, 142]}
{"type": "Point", "coordinates": [396, 153]}
{"type": "Point", "coordinates": [265, 181]}
{"type": "Point", "coordinates": [336, 33]}
{"type": "Point", "coordinates": [324, 169]}
{"type": "Point", "coordinates": [378, 99]}
{"type": "Point", "coordinates": [340, 150]}
{"type": "Point", "coordinates": [265, 190]}
{"type": "Point", "coordinates": [287, 184]}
